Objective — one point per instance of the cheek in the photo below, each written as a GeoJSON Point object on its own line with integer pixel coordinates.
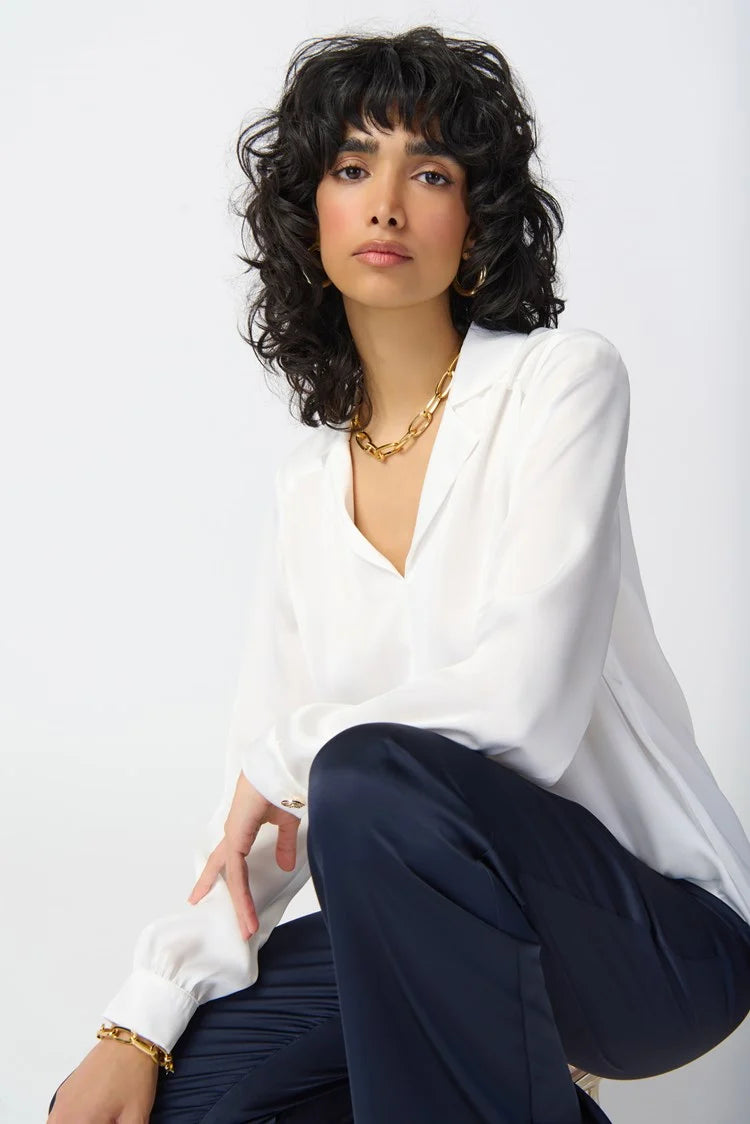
{"type": "Point", "coordinates": [443, 226]}
{"type": "Point", "coordinates": [337, 215]}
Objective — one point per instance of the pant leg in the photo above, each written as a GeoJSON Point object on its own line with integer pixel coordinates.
{"type": "Point", "coordinates": [250, 1056]}
{"type": "Point", "coordinates": [486, 932]}
{"type": "Point", "coordinates": [272, 1053]}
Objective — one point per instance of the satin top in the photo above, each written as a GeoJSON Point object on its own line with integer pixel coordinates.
{"type": "Point", "coordinates": [520, 628]}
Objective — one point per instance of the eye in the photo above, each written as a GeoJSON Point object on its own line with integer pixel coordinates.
{"type": "Point", "coordinates": [432, 172]}
{"type": "Point", "coordinates": [357, 168]}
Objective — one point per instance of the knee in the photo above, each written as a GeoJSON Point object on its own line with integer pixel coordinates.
{"type": "Point", "coordinates": [353, 747]}
{"type": "Point", "coordinates": [350, 766]}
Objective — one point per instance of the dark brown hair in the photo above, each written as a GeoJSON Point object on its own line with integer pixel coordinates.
{"type": "Point", "coordinates": [462, 92]}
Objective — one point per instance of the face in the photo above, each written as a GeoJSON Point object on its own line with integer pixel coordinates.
{"type": "Point", "coordinates": [417, 199]}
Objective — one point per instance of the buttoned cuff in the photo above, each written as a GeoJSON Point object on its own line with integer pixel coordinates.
{"type": "Point", "coordinates": [153, 1007]}
{"type": "Point", "coordinates": [265, 769]}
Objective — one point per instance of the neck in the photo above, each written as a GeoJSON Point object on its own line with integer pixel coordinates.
{"type": "Point", "coordinates": [404, 353]}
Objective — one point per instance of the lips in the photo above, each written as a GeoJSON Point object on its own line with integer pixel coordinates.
{"type": "Point", "coordinates": [383, 248]}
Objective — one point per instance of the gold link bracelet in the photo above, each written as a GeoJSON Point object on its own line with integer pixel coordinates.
{"type": "Point", "coordinates": [156, 1053]}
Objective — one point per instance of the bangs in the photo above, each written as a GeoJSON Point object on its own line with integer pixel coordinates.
{"type": "Point", "coordinates": [388, 89]}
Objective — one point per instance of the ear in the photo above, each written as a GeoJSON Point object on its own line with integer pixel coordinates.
{"type": "Point", "coordinates": [471, 237]}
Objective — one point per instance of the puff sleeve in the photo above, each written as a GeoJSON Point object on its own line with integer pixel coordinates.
{"type": "Point", "coordinates": [197, 953]}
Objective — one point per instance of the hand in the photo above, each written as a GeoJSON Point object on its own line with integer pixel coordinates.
{"type": "Point", "coordinates": [114, 1084]}
{"type": "Point", "coordinates": [248, 811]}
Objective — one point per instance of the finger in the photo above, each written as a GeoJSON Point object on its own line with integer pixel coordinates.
{"type": "Point", "coordinates": [286, 845]}
{"type": "Point", "coordinates": [239, 889]}
{"type": "Point", "coordinates": [201, 887]}
{"type": "Point", "coordinates": [207, 878]}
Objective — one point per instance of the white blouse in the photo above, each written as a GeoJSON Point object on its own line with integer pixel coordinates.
{"type": "Point", "coordinates": [520, 629]}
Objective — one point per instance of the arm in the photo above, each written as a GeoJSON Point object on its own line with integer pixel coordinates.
{"type": "Point", "coordinates": [526, 692]}
{"type": "Point", "coordinates": [197, 953]}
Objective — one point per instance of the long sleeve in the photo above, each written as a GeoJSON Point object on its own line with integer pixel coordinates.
{"type": "Point", "coordinates": [526, 692]}
{"type": "Point", "coordinates": [197, 953]}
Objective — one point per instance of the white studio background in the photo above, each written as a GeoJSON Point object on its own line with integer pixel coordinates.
{"type": "Point", "coordinates": [138, 436]}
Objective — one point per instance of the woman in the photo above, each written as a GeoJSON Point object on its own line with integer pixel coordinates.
{"type": "Point", "coordinates": [453, 713]}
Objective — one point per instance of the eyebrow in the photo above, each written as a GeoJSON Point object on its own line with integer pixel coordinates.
{"type": "Point", "coordinates": [416, 146]}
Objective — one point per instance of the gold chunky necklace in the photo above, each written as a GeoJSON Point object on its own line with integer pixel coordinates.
{"type": "Point", "coordinates": [416, 427]}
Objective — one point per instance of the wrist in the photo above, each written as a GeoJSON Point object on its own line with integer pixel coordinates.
{"type": "Point", "coordinates": [152, 1052]}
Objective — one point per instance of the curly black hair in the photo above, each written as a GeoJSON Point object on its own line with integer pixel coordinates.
{"type": "Point", "coordinates": [462, 92]}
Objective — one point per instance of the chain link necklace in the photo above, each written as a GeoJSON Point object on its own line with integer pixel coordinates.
{"type": "Point", "coordinates": [417, 425]}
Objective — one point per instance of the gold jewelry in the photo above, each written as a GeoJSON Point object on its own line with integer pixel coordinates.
{"type": "Point", "coordinates": [159, 1055]}
{"type": "Point", "coordinates": [383, 451]}
{"type": "Point", "coordinates": [456, 286]}
{"type": "Point", "coordinates": [480, 280]}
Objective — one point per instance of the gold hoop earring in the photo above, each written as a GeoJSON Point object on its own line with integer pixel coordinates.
{"type": "Point", "coordinates": [480, 281]}
{"type": "Point", "coordinates": [316, 246]}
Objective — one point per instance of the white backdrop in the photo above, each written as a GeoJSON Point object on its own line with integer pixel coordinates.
{"type": "Point", "coordinates": [138, 437]}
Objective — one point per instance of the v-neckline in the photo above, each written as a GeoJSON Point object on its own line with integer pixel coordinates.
{"type": "Point", "coordinates": [452, 445]}
{"type": "Point", "coordinates": [480, 366]}
{"type": "Point", "coordinates": [349, 498]}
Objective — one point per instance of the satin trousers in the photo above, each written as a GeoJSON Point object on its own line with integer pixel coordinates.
{"type": "Point", "coordinates": [476, 934]}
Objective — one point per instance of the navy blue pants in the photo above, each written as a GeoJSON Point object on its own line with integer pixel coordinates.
{"type": "Point", "coordinates": [477, 933]}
